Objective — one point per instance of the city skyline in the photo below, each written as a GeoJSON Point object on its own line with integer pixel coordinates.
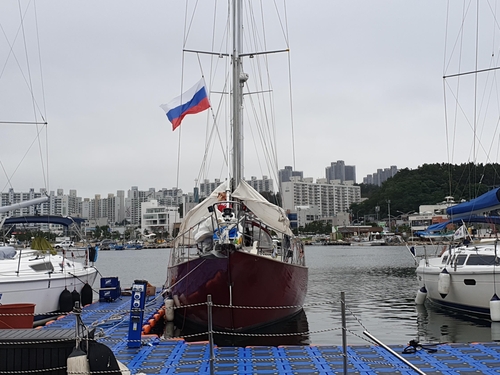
{"type": "Point", "coordinates": [363, 92]}
{"type": "Point", "coordinates": [211, 184]}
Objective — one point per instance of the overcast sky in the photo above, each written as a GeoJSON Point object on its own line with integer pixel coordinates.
{"type": "Point", "coordinates": [366, 78]}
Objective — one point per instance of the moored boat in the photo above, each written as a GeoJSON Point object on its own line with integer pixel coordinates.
{"type": "Point", "coordinates": [227, 246]}
{"type": "Point", "coordinates": [43, 278]}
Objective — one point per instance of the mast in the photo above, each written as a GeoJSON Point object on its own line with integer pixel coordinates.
{"type": "Point", "coordinates": [239, 78]}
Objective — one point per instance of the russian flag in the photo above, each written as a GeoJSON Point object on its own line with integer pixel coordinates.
{"type": "Point", "coordinates": [192, 101]}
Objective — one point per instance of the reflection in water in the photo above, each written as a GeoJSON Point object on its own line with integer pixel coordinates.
{"type": "Point", "coordinates": [436, 324]}
{"type": "Point", "coordinates": [296, 324]}
{"type": "Point", "coordinates": [380, 287]}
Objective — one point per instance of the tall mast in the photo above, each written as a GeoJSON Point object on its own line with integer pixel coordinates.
{"type": "Point", "coordinates": [239, 79]}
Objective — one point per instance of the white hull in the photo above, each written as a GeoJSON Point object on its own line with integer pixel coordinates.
{"type": "Point", "coordinates": [27, 279]}
{"type": "Point", "coordinates": [471, 286]}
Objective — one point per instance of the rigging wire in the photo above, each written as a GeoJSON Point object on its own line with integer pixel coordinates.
{"type": "Point", "coordinates": [21, 32]}
{"type": "Point", "coordinates": [44, 105]}
{"type": "Point", "coordinates": [258, 94]}
{"type": "Point", "coordinates": [30, 81]}
{"type": "Point", "coordinates": [482, 102]}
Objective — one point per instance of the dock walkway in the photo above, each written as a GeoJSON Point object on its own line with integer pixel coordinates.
{"type": "Point", "coordinates": [158, 356]}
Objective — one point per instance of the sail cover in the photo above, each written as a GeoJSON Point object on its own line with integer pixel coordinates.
{"type": "Point", "coordinates": [270, 214]}
{"type": "Point", "coordinates": [487, 202]}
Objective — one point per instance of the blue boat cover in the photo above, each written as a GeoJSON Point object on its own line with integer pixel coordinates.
{"type": "Point", "coordinates": [487, 202]}
{"type": "Point", "coordinates": [458, 220]}
{"type": "Point", "coordinates": [49, 219]}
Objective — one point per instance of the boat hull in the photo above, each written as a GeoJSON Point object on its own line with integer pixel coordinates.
{"type": "Point", "coordinates": [44, 292]}
{"type": "Point", "coordinates": [240, 279]}
{"type": "Point", "coordinates": [470, 288]}
{"type": "Point", "coordinates": [40, 280]}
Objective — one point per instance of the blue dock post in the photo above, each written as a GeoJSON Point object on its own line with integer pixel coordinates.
{"type": "Point", "coordinates": [138, 301]}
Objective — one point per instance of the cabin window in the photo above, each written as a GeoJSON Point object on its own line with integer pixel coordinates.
{"type": "Point", "coordinates": [42, 267]}
{"type": "Point", "coordinates": [460, 260]}
{"type": "Point", "coordinates": [482, 260]}
{"type": "Point", "coordinates": [469, 282]}
{"type": "Point", "coordinates": [445, 258]}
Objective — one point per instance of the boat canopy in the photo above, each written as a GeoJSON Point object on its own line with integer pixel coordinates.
{"type": "Point", "coordinates": [270, 214]}
{"type": "Point", "coordinates": [49, 219]}
{"type": "Point", "coordinates": [487, 202]}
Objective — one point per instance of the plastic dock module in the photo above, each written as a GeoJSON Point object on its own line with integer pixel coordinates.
{"type": "Point", "coordinates": [158, 356]}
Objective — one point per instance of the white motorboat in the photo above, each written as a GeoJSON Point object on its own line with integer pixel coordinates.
{"type": "Point", "coordinates": [46, 280]}
{"type": "Point", "coordinates": [30, 276]}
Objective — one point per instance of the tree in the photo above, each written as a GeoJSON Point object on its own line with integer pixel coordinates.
{"type": "Point", "coordinates": [429, 184]}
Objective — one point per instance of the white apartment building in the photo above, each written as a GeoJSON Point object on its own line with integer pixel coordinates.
{"type": "Point", "coordinates": [329, 199]}
{"type": "Point", "coordinates": [155, 216]}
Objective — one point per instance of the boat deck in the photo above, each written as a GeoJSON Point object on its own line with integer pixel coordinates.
{"type": "Point", "coordinates": [157, 356]}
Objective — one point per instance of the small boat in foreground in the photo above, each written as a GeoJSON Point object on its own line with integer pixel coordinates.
{"type": "Point", "coordinates": [45, 279]}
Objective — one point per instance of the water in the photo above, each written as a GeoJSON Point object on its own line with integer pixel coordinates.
{"type": "Point", "coordinates": [379, 284]}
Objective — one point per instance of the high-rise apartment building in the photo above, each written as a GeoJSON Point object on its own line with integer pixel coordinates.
{"type": "Point", "coordinates": [329, 198]}
{"type": "Point", "coordinates": [341, 172]}
{"type": "Point", "coordinates": [380, 176]}
{"type": "Point", "coordinates": [287, 173]}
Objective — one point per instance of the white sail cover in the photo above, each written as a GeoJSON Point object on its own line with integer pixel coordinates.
{"type": "Point", "coordinates": [270, 214]}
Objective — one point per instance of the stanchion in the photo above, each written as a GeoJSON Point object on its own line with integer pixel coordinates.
{"type": "Point", "coordinates": [210, 333]}
{"type": "Point", "coordinates": [344, 330]}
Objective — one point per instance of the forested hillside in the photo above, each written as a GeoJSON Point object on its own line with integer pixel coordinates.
{"type": "Point", "coordinates": [428, 184]}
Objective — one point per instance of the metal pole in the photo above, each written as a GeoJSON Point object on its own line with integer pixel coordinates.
{"type": "Point", "coordinates": [210, 333]}
{"type": "Point", "coordinates": [77, 311]}
{"type": "Point", "coordinates": [409, 364]}
{"type": "Point", "coordinates": [344, 330]}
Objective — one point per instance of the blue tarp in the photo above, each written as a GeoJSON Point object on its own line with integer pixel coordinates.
{"type": "Point", "coordinates": [458, 220]}
{"type": "Point", "coordinates": [487, 202]}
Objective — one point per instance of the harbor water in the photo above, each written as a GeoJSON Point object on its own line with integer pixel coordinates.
{"type": "Point", "coordinates": [379, 283]}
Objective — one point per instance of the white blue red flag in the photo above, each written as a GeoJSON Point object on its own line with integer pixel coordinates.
{"type": "Point", "coordinates": [192, 101]}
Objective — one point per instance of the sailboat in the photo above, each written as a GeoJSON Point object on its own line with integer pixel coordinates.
{"type": "Point", "coordinates": [466, 277]}
{"type": "Point", "coordinates": [35, 276]}
{"type": "Point", "coordinates": [236, 246]}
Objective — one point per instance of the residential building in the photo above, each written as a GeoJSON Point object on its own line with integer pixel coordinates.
{"type": "Point", "coordinates": [382, 175]}
{"type": "Point", "coordinates": [322, 199]}
{"type": "Point", "coordinates": [284, 175]}
{"type": "Point", "coordinates": [339, 171]}
{"type": "Point", "coordinates": [265, 184]}
{"type": "Point", "coordinates": [155, 217]}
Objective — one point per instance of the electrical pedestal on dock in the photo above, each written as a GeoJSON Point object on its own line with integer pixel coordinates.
{"type": "Point", "coordinates": [138, 301]}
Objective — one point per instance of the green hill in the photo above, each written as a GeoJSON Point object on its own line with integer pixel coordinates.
{"type": "Point", "coordinates": [428, 184]}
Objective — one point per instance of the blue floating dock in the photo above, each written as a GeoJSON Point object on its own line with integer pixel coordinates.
{"type": "Point", "coordinates": [157, 356]}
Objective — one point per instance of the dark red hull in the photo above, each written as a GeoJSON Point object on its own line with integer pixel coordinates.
{"type": "Point", "coordinates": [246, 280]}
